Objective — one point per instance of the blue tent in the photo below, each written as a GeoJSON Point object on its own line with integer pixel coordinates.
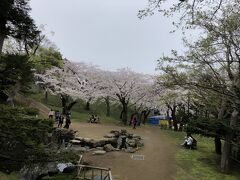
{"type": "Point", "coordinates": [155, 120]}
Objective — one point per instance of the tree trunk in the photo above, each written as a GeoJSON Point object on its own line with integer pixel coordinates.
{"type": "Point", "coordinates": [87, 107]}
{"type": "Point", "coordinates": [145, 116]}
{"type": "Point", "coordinates": [64, 104]}
{"type": "Point", "coordinates": [218, 145]}
{"type": "Point", "coordinates": [46, 96]}
{"type": "Point", "coordinates": [131, 118]}
{"type": "Point", "coordinates": [107, 106]}
{"type": "Point", "coordinates": [174, 118]}
{"type": "Point", "coordinates": [69, 107]}
{"type": "Point", "coordinates": [141, 116]}
{"type": "Point", "coordinates": [124, 113]}
{"type": "Point", "coordinates": [227, 145]}
{"type": "Point", "coordinates": [2, 37]}
{"type": "Point", "coordinates": [121, 115]}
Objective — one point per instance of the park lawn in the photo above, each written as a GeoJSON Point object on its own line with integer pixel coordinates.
{"type": "Point", "coordinates": [12, 176]}
{"type": "Point", "coordinates": [202, 164]}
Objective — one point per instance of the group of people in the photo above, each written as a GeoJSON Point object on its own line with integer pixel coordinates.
{"type": "Point", "coordinates": [61, 118]}
{"type": "Point", "coordinates": [93, 118]}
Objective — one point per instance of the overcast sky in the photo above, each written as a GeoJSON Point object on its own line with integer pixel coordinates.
{"type": "Point", "coordinates": [107, 33]}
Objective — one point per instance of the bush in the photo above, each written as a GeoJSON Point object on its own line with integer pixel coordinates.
{"type": "Point", "coordinates": [31, 111]}
{"type": "Point", "coordinates": [21, 137]}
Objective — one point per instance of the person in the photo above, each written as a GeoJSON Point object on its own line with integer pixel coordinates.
{"type": "Point", "coordinates": [68, 120]}
{"type": "Point", "coordinates": [134, 122]}
{"type": "Point", "coordinates": [188, 141]}
{"type": "Point", "coordinates": [57, 116]}
{"type": "Point", "coordinates": [51, 114]}
{"type": "Point", "coordinates": [60, 121]}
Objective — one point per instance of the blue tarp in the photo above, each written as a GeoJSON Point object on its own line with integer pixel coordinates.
{"type": "Point", "coordinates": [155, 119]}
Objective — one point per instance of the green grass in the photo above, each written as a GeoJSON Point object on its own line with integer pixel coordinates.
{"type": "Point", "coordinates": [12, 176]}
{"type": "Point", "coordinates": [79, 114]}
{"type": "Point", "coordinates": [201, 164]}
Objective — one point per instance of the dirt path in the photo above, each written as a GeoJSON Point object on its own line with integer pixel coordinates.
{"type": "Point", "coordinates": [158, 163]}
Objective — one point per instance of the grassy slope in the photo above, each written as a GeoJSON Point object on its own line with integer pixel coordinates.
{"type": "Point", "coordinates": [79, 114]}
{"type": "Point", "coordinates": [201, 164]}
{"type": "Point", "coordinates": [12, 176]}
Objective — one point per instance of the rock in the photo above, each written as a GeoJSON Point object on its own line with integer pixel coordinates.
{"type": "Point", "coordinates": [130, 150]}
{"type": "Point", "coordinates": [98, 143]}
{"type": "Point", "coordinates": [116, 133]}
{"type": "Point", "coordinates": [99, 152]}
{"type": "Point", "coordinates": [38, 170]}
{"type": "Point", "coordinates": [111, 140]}
{"type": "Point", "coordinates": [123, 131]}
{"type": "Point", "coordinates": [136, 136]}
{"type": "Point", "coordinates": [130, 135]}
{"type": "Point", "coordinates": [62, 166]}
{"type": "Point", "coordinates": [74, 141]}
{"type": "Point", "coordinates": [140, 143]}
{"type": "Point", "coordinates": [119, 142]}
{"type": "Point", "coordinates": [109, 135]}
{"type": "Point", "coordinates": [69, 169]}
{"type": "Point", "coordinates": [78, 148]}
{"type": "Point", "coordinates": [79, 138]}
{"type": "Point", "coordinates": [87, 140]}
{"type": "Point", "coordinates": [109, 148]}
{"type": "Point", "coordinates": [99, 148]}
{"type": "Point", "coordinates": [131, 142]}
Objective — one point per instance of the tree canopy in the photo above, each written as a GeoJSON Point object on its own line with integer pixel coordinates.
{"type": "Point", "coordinates": [16, 22]}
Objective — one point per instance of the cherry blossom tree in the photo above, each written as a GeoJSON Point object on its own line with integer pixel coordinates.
{"type": "Point", "coordinates": [88, 82]}
{"type": "Point", "coordinates": [127, 87]}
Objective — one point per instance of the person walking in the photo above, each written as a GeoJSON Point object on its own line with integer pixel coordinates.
{"type": "Point", "coordinates": [68, 120]}
{"type": "Point", "coordinates": [51, 114]}
{"type": "Point", "coordinates": [134, 122]}
{"type": "Point", "coordinates": [60, 121]}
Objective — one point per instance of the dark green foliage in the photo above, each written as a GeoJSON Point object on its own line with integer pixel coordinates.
{"type": "Point", "coordinates": [21, 137]}
{"type": "Point", "coordinates": [31, 111]}
{"type": "Point", "coordinates": [16, 22]}
{"type": "Point", "coordinates": [15, 70]}
{"type": "Point", "coordinates": [209, 127]}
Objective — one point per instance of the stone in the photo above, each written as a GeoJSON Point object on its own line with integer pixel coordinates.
{"type": "Point", "coordinates": [69, 169]}
{"type": "Point", "coordinates": [99, 152]}
{"type": "Point", "coordinates": [79, 138]}
{"type": "Point", "coordinates": [99, 148]}
{"type": "Point", "coordinates": [123, 131]}
{"type": "Point", "coordinates": [87, 140]}
{"type": "Point", "coordinates": [111, 140]}
{"type": "Point", "coordinates": [74, 141]}
{"type": "Point", "coordinates": [116, 133]}
{"type": "Point", "coordinates": [131, 142]}
{"type": "Point", "coordinates": [136, 136]}
{"type": "Point", "coordinates": [36, 171]}
{"type": "Point", "coordinates": [78, 148]}
{"type": "Point", "coordinates": [109, 148]}
{"type": "Point", "coordinates": [130, 150]}
{"type": "Point", "coordinates": [119, 142]}
{"type": "Point", "coordinates": [98, 143]}
{"type": "Point", "coordinates": [140, 143]}
{"type": "Point", "coordinates": [109, 135]}
{"type": "Point", "coordinates": [62, 166]}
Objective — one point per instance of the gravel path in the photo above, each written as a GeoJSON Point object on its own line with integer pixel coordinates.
{"type": "Point", "coordinates": [158, 163]}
